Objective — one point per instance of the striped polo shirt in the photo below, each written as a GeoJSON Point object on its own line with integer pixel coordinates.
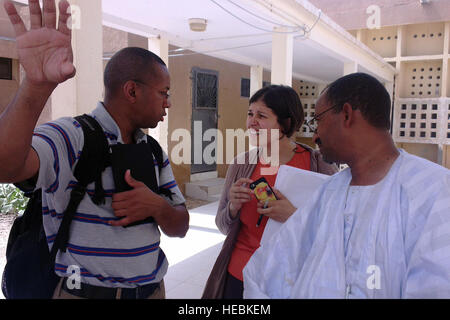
{"type": "Point", "coordinates": [105, 255]}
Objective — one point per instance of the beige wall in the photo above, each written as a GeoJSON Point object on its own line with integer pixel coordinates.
{"type": "Point", "coordinates": [113, 40]}
{"type": "Point", "coordinates": [446, 160]}
{"type": "Point", "coordinates": [6, 29]}
{"type": "Point", "coordinates": [8, 49]}
{"type": "Point", "coordinates": [8, 89]}
{"type": "Point", "coordinates": [427, 151]}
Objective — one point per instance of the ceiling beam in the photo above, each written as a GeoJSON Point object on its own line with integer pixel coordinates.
{"type": "Point", "coordinates": [330, 36]}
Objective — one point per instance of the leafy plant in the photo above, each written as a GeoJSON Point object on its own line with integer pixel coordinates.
{"type": "Point", "coordinates": [12, 200]}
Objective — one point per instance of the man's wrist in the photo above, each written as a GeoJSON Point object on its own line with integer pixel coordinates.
{"type": "Point", "coordinates": [164, 206]}
{"type": "Point", "coordinates": [39, 89]}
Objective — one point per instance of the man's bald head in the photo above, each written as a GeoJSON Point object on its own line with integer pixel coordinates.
{"type": "Point", "coordinates": [129, 64]}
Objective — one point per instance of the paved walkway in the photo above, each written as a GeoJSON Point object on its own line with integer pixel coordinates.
{"type": "Point", "coordinates": [191, 258]}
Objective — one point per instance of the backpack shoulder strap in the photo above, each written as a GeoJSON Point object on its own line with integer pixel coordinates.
{"type": "Point", "coordinates": [158, 154]}
{"type": "Point", "coordinates": [95, 154]}
{"type": "Point", "coordinates": [93, 161]}
{"type": "Point", "coordinates": [156, 150]}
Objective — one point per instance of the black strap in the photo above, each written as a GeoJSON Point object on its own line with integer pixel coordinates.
{"type": "Point", "coordinates": [62, 237]}
{"type": "Point", "coordinates": [94, 157]}
{"type": "Point", "coordinates": [93, 161]}
{"type": "Point", "coordinates": [158, 154]}
{"type": "Point", "coordinates": [156, 150]}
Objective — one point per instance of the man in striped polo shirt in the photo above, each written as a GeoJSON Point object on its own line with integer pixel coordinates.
{"type": "Point", "coordinates": [111, 261]}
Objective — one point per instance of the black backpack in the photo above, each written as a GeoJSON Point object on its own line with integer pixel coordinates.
{"type": "Point", "coordinates": [29, 271]}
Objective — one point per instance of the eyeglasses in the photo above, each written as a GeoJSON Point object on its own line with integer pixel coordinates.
{"type": "Point", "coordinates": [164, 94]}
{"type": "Point", "coordinates": [312, 123]}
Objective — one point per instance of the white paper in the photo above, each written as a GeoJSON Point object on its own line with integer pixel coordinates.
{"type": "Point", "coordinates": [297, 186]}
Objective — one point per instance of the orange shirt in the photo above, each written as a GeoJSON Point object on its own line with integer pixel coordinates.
{"type": "Point", "coordinates": [249, 237]}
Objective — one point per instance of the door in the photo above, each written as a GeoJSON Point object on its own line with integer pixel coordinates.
{"type": "Point", "coordinates": [204, 118]}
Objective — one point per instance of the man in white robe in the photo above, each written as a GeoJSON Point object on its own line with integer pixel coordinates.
{"type": "Point", "coordinates": [379, 229]}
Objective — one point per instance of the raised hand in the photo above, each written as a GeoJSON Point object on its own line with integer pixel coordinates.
{"type": "Point", "coordinates": [44, 51]}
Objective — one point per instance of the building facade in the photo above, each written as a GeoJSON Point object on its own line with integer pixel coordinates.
{"type": "Point", "coordinates": [415, 41]}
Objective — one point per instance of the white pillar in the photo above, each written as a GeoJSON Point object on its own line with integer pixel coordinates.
{"type": "Point", "coordinates": [445, 74]}
{"type": "Point", "coordinates": [390, 89]}
{"type": "Point", "coordinates": [350, 67]}
{"type": "Point", "coordinates": [81, 93]}
{"type": "Point", "coordinates": [282, 57]}
{"type": "Point", "coordinates": [160, 47]}
{"type": "Point", "coordinates": [256, 79]}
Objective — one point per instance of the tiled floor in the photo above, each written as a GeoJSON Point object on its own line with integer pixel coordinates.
{"type": "Point", "coordinates": [191, 258]}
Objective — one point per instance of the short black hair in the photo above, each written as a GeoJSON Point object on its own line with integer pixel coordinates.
{"type": "Point", "coordinates": [365, 93]}
{"type": "Point", "coordinates": [131, 63]}
{"type": "Point", "coordinates": [286, 105]}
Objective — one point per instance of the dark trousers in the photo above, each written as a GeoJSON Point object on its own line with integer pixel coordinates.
{"type": "Point", "coordinates": [234, 288]}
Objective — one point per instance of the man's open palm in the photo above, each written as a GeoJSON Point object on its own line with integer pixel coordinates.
{"type": "Point", "coordinates": [44, 51]}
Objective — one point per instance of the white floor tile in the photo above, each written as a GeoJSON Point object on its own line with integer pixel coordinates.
{"type": "Point", "coordinates": [185, 291]}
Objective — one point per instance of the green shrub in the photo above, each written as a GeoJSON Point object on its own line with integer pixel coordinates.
{"type": "Point", "coordinates": [12, 200]}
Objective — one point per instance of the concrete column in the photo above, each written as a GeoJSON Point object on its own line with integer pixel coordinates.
{"type": "Point", "coordinates": [282, 57]}
{"type": "Point", "coordinates": [440, 154]}
{"type": "Point", "coordinates": [350, 67]}
{"type": "Point", "coordinates": [401, 42]}
{"type": "Point", "coordinates": [160, 47]}
{"type": "Point", "coordinates": [445, 74]}
{"type": "Point", "coordinates": [256, 79]}
{"type": "Point", "coordinates": [359, 35]}
{"type": "Point", "coordinates": [390, 88]}
{"type": "Point", "coordinates": [81, 93]}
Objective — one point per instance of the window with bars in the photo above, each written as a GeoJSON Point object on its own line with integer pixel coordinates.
{"type": "Point", "coordinates": [5, 68]}
{"type": "Point", "coordinates": [206, 91]}
{"type": "Point", "coordinates": [245, 88]}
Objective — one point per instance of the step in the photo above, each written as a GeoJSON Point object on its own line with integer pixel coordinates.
{"type": "Point", "coordinates": [209, 190]}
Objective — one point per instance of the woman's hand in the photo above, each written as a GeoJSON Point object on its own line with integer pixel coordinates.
{"type": "Point", "coordinates": [279, 210]}
{"type": "Point", "coordinates": [239, 194]}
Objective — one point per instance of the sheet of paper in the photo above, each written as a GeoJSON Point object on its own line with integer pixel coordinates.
{"type": "Point", "coordinates": [298, 186]}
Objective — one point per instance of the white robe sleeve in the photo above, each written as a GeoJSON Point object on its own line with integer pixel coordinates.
{"type": "Point", "coordinates": [428, 274]}
{"type": "Point", "coordinates": [273, 269]}
{"type": "Point", "coordinates": [264, 274]}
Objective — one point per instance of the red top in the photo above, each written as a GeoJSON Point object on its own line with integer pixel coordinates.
{"type": "Point", "coordinates": [249, 237]}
